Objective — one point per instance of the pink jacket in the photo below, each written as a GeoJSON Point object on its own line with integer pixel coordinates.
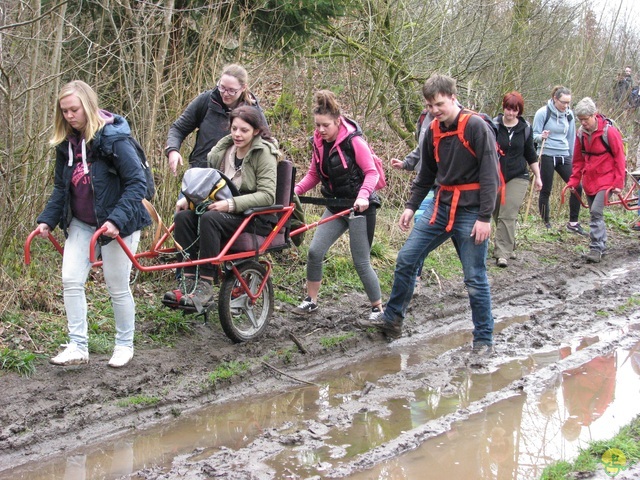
{"type": "Point", "coordinates": [363, 159]}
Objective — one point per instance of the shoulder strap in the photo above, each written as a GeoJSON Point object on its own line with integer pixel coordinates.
{"type": "Point", "coordinates": [604, 137]}
{"type": "Point", "coordinates": [347, 142]}
{"type": "Point", "coordinates": [547, 117]}
{"type": "Point", "coordinates": [438, 134]}
{"type": "Point", "coordinates": [421, 118]}
{"type": "Point", "coordinates": [203, 107]}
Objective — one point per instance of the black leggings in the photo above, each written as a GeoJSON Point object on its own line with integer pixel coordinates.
{"type": "Point", "coordinates": [562, 165]}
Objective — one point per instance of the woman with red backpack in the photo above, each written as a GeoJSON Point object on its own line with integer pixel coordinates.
{"type": "Point", "coordinates": [599, 163]}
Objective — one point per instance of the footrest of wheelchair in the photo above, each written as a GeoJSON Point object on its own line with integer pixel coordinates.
{"type": "Point", "coordinates": [188, 308]}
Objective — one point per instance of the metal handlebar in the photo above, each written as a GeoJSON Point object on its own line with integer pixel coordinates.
{"type": "Point", "coordinates": [309, 226]}
{"type": "Point", "coordinates": [574, 192]}
{"type": "Point", "coordinates": [27, 245]}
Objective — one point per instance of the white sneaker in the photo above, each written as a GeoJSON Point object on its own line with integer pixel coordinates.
{"type": "Point", "coordinates": [376, 314]}
{"type": "Point", "coordinates": [71, 355]}
{"type": "Point", "coordinates": [121, 356]}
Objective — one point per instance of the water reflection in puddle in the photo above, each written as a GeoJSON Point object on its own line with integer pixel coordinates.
{"type": "Point", "coordinates": [516, 438]}
{"type": "Point", "coordinates": [513, 438]}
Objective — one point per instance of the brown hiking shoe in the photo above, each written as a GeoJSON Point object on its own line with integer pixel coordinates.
{"type": "Point", "coordinates": [390, 329]}
{"type": "Point", "coordinates": [201, 296]}
{"type": "Point", "coordinates": [185, 286]}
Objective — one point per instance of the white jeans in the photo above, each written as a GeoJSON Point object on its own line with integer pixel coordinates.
{"type": "Point", "coordinates": [116, 267]}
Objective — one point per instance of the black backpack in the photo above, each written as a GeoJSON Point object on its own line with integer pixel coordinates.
{"type": "Point", "coordinates": [144, 165]}
{"type": "Point", "coordinates": [634, 97]}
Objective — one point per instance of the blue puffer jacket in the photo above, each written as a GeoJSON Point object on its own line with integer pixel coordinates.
{"type": "Point", "coordinates": [117, 179]}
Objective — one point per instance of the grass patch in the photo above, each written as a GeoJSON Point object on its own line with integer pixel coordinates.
{"type": "Point", "coordinates": [164, 325]}
{"type": "Point", "coordinates": [142, 400]}
{"type": "Point", "coordinates": [330, 342]}
{"type": "Point", "coordinates": [227, 370]}
{"type": "Point", "coordinates": [626, 441]}
{"type": "Point", "coordinates": [286, 354]}
{"type": "Point", "coordinates": [630, 305]}
{"type": "Point", "coordinates": [18, 361]}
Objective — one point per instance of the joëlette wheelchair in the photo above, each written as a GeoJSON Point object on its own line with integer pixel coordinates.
{"type": "Point", "coordinates": [245, 299]}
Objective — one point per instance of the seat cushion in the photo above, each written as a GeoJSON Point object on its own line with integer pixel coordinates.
{"type": "Point", "coordinates": [246, 242]}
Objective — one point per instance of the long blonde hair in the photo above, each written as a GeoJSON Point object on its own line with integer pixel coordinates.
{"type": "Point", "coordinates": [242, 76]}
{"type": "Point", "coordinates": [89, 101]}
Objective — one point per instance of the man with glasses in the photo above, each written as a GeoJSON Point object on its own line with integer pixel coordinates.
{"type": "Point", "coordinates": [623, 87]}
{"type": "Point", "coordinates": [208, 113]}
{"type": "Point", "coordinates": [554, 132]}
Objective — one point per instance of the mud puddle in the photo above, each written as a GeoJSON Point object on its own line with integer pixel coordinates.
{"type": "Point", "coordinates": [517, 437]}
{"type": "Point", "coordinates": [420, 403]}
{"type": "Point", "coordinates": [471, 422]}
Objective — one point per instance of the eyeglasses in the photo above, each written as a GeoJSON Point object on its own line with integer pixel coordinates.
{"type": "Point", "coordinates": [230, 91]}
{"type": "Point", "coordinates": [564, 103]}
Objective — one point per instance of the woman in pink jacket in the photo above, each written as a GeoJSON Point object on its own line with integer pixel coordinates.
{"type": "Point", "coordinates": [599, 162]}
{"type": "Point", "coordinates": [342, 163]}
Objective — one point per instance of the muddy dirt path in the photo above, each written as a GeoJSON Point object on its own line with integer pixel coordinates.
{"type": "Point", "coordinates": [547, 298]}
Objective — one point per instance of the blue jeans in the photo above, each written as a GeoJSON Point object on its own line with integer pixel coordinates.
{"type": "Point", "coordinates": [430, 198]}
{"type": "Point", "coordinates": [116, 267]}
{"type": "Point", "coordinates": [425, 238]}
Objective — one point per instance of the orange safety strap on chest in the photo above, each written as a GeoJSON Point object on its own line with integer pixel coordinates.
{"type": "Point", "coordinates": [459, 132]}
{"type": "Point", "coordinates": [456, 189]}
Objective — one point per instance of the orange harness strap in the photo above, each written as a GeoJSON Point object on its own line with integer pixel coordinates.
{"type": "Point", "coordinates": [502, 188]}
{"type": "Point", "coordinates": [456, 189]}
{"type": "Point", "coordinates": [438, 135]}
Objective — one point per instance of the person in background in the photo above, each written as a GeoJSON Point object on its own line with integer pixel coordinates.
{"type": "Point", "coordinates": [467, 182]}
{"type": "Point", "coordinates": [248, 156]}
{"type": "Point", "coordinates": [209, 113]}
{"type": "Point", "coordinates": [599, 165]}
{"type": "Point", "coordinates": [517, 154]}
{"type": "Point", "coordinates": [554, 123]}
{"type": "Point", "coordinates": [410, 163]}
{"type": "Point", "coordinates": [623, 87]}
{"type": "Point", "coordinates": [92, 190]}
{"type": "Point", "coordinates": [342, 163]}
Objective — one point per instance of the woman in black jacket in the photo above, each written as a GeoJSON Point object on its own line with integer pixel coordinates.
{"type": "Point", "coordinates": [208, 113]}
{"type": "Point", "coordinates": [98, 183]}
{"type": "Point", "coordinates": [516, 151]}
